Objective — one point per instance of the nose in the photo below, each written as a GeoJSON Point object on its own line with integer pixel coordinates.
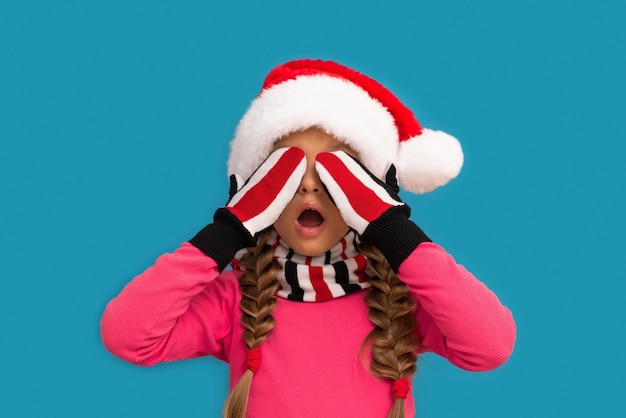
{"type": "Point", "coordinates": [311, 182]}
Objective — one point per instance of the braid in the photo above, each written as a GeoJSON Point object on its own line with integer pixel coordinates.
{"type": "Point", "coordinates": [393, 341]}
{"type": "Point", "coordinates": [258, 287]}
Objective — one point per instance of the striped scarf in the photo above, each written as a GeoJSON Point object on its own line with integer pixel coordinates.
{"type": "Point", "coordinates": [339, 271]}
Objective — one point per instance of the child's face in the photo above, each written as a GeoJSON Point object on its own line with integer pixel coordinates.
{"type": "Point", "coordinates": [311, 223]}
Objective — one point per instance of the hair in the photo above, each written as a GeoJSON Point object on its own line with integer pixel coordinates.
{"type": "Point", "coordinates": [258, 286]}
{"type": "Point", "coordinates": [391, 307]}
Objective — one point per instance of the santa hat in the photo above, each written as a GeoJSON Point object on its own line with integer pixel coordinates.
{"type": "Point", "coordinates": [356, 110]}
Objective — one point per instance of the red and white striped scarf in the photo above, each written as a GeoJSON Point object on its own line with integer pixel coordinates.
{"type": "Point", "coordinates": [339, 271]}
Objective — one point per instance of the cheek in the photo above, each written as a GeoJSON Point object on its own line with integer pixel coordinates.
{"type": "Point", "coordinates": [285, 219]}
{"type": "Point", "coordinates": [333, 213]}
{"type": "Point", "coordinates": [280, 223]}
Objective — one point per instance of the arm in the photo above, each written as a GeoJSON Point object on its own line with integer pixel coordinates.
{"type": "Point", "coordinates": [458, 317]}
{"type": "Point", "coordinates": [178, 308]}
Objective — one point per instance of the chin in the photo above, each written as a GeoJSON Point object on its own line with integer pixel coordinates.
{"type": "Point", "coordinates": [310, 249]}
{"type": "Point", "coordinates": [310, 246]}
{"type": "Point", "coordinates": [310, 234]}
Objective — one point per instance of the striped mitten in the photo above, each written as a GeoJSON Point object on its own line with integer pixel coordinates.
{"type": "Point", "coordinates": [253, 207]}
{"type": "Point", "coordinates": [369, 206]}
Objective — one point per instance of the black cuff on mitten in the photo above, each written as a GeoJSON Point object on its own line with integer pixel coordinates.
{"type": "Point", "coordinates": [223, 238]}
{"type": "Point", "coordinates": [394, 235]}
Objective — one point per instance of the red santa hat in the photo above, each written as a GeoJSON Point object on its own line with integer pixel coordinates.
{"type": "Point", "coordinates": [355, 109]}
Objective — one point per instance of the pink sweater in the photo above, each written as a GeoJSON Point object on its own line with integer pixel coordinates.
{"type": "Point", "coordinates": [182, 307]}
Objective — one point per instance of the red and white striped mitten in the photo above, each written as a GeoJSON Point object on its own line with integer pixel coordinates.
{"type": "Point", "coordinates": [253, 207]}
{"type": "Point", "coordinates": [369, 206]}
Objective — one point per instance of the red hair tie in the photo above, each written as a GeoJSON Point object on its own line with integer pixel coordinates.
{"type": "Point", "coordinates": [401, 388]}
{"type": "Point", "coordinates": [253, 359]}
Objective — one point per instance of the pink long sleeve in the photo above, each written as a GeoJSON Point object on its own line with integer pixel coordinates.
{"type": "Point", "coordinates": [178, 308]}
{"type": "Point", "coordinates": [182, 307]}
{"type": "Point", "coordinates": [458, 317]}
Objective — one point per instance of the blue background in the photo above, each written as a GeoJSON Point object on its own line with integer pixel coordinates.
{"type": "Point", "coordinates": [115, 119]}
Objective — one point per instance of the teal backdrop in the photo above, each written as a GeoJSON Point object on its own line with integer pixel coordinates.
{"type": "Point", "coordinates": [115, 118]}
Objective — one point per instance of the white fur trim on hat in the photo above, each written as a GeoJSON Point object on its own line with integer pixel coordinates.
{"type": "Point", "coordinates": [335, 105]}
{"type": "Point", "coordinates": [353, 108]}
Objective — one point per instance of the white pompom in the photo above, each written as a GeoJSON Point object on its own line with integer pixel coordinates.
{"type": "Point", "coordinates": [428, 161]}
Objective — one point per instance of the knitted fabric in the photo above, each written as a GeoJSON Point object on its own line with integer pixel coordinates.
{"type": "Point", "coordinates": [339, 271]}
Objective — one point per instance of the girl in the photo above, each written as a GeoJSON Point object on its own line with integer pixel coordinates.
{"type": "Point", "coordinates": [333, 291]}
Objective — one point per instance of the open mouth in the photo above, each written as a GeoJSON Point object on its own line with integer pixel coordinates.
{"type": "Point", "coordinates": [310, 218]}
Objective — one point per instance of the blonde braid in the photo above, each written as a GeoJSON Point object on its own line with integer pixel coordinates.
{"type": "Point", "coordinates": [258, 286]}
{"type": "Point", "coordinates": [393, 341]}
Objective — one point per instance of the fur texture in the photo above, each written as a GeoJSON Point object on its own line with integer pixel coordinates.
{"type": "Point", "coordinates": [335, 99]}
{"type": "Point", "coordinates": [334, 105]}
{"type": "Point", "coordinates": [428, 161]}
